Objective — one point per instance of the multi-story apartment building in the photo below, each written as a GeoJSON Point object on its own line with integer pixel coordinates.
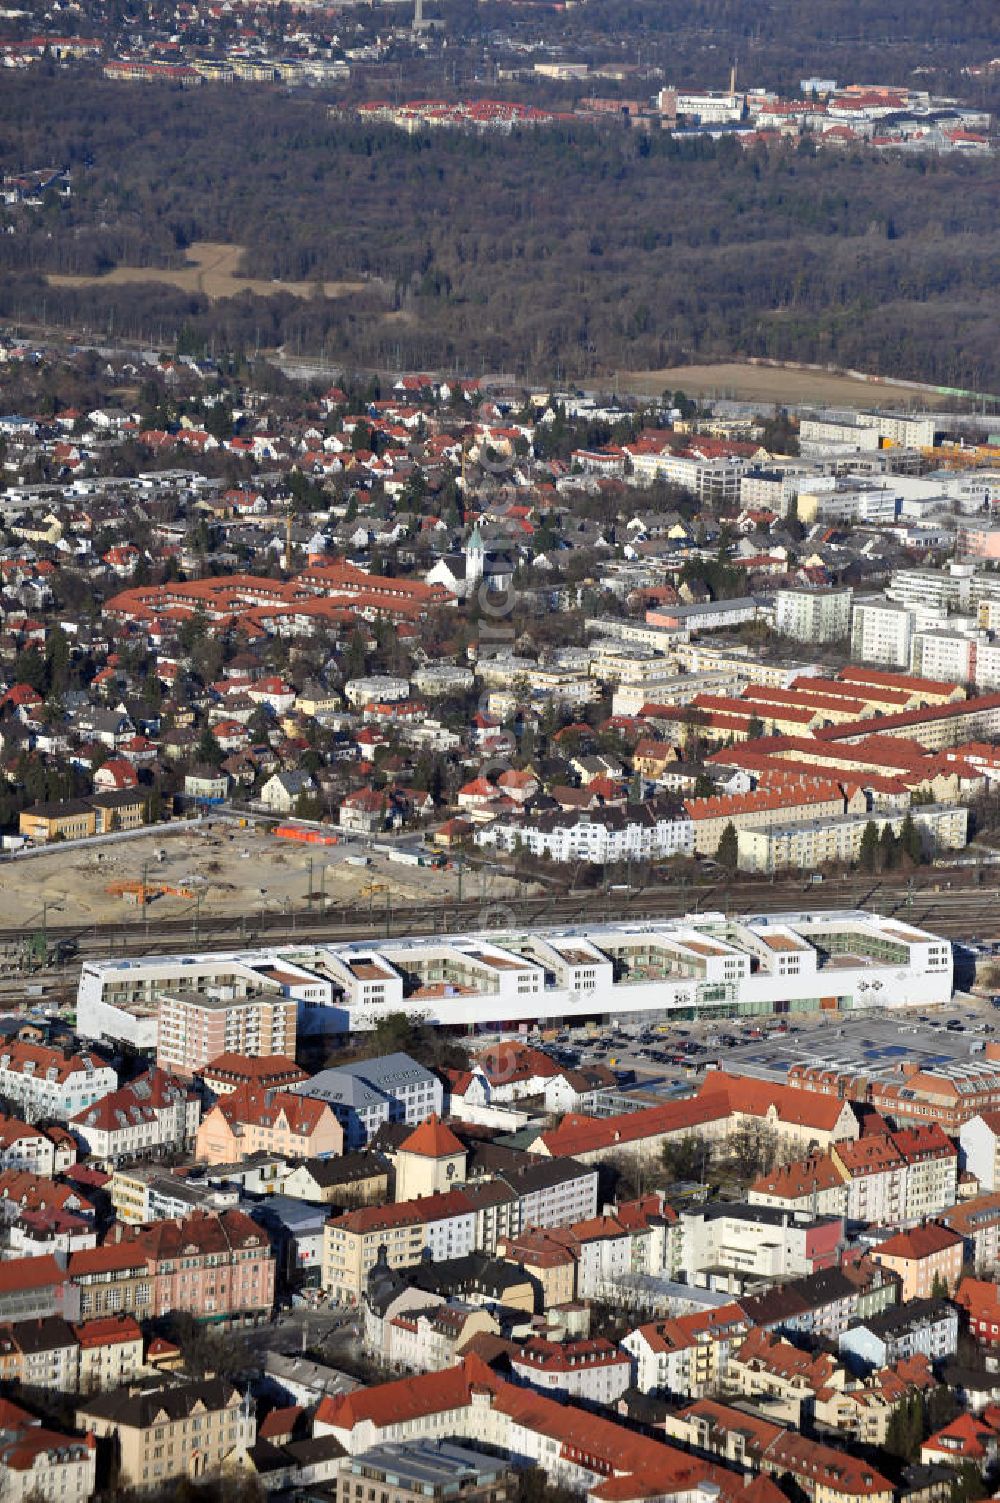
{"type": "Point", "coordinates": [931, 1169]}
{"type": "Point", "coordinates": [267, 1072]}
{"type": "Point", "coordinates": [45, 1151]}
{"type": "Point", "coordinates": [153, 1112]}
{"type": "Point", "coordinates": [943, 590]}
{"type": "Point", "coordinates": [193, 1028]}
{"type": "Point", "coordinates": [946, 654]}
{"type": "Point", "coordinates": [120, 1000]}
{"type": "Point", "coordinates": [907, 430]}
{"type": "Point", "coordinates": [177, 1429]}
{"type": "Point", "coordinates": [689, 1354]}
{"type": "Point", "coordinates": [637, 833]}
{"type": "Point", "coordinates": [712, 964]}
{"type": "Point", "coordinates": [218, 1267]}
{"type": "Point", "coordinates": [823, 431]}
{"type": "Point", "coordinates": [926, 1259]}
{"type": "Point", "coordinates": [881, 632]}
{"type": "Point", "coordinates": [813, 615]}
{"type": "Point", "coordinates": [766, 1366]}
{"type": "Point", "coordinates": [247, 1121]}
{"type": "Point", "coordinates": [978, 540]}
{"type": "Point", "coordinates": [874, 1173]}
{"type": "Point", "coordinates": [808, 844]}
{"type": "Point", "coordinates": [920, 1328]}
{"type": "Point", "coordinates": [392, 1088]}
{"type": "Point", "coordinates": [432, 1336]}
{"type": "Point", "coordinates": [764, 809]}
{"type": "Point", "coordinates": [83, 1358]}
{"type": "Point", "coordinates": [48, 1082]}
{"type": "Point", "coordinates": [979, 1139]}
{"type": "Point", "coordinates": [110, 1353]}
{"type": "Point", "coordinates": [596, 1371]}
{"type": "Point", "coordinates": [824, 1473]}
{"type": "Point", "coordinates": [36, 1462]}
{"type": "Point", "coordinates": [443, 1225]}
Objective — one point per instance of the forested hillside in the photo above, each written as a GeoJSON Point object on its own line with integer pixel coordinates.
{"type": "Point", "coordinates": [565, 250]}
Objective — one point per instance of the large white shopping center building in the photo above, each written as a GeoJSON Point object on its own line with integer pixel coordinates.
{"type": "Point", "coordinates": [701, 966]}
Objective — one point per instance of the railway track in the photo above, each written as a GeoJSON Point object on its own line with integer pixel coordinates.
{"type": "Point", "coordinates": [958, 912]}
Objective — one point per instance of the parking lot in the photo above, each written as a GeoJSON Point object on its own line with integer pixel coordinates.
{"type": "Point", "coordinates": [672, 1058]}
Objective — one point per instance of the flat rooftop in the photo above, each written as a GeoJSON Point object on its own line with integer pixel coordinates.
{"type": "Point", "coordinates": [864, 1045]}
{"type": "Point", "coordinates": [428, 1466]}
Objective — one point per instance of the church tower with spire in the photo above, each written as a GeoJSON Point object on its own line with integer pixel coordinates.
{"type": "Point", "coordinates": [475, 558]}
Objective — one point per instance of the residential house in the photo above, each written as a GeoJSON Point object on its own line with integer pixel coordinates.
{"type": "Point", "coordinates": [927, 1259]}
{"type": "Point", "coordinates": [917, 1328]}
{"type": "Point", "coordinates": [353, 1179]}
{"type": "Point", "coordinates": [156, 1111]}
{"type": "Point", "coordinates": [282, 791]}
{"type": "Point", "coordinates": [181, 1428]}
{"type": "Point", "coordinates": [49, 1082]}
{"type": "Point", "coordinates": [247, 1121]}
{"type": "Point", "coordinates": [36, 1462]}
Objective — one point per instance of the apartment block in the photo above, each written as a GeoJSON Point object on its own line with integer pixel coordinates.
{"type": "Point", "coordinates": [173, 1430]}
{"type": "Point", "coordinates": [194, 1029]}
{"type": "Point", "coordinates": [48, 1082]}
{"type": "Point", "coordinates": [396, 1235]}
{"type": "Point", "coordinates": [881, 632]}
{"type": "Point", "coordinates": [813, 615]}
{"type": "Point", "coordinates": [391, 1088]}
{"type": "Point", "coordinates": [807, 845]}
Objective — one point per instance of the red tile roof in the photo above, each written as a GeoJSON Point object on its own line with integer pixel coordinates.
{"type": "Point", "coordinates": [919, 1242]}
{"type": "Point", "coordinates": [751, 1097]}
{"type": "Point", "coordinates": [274, 1068]}
{"type": "Point", "coordinates": [433, 1139]}
{"type": "Point", "coordinates": [110, 1330]}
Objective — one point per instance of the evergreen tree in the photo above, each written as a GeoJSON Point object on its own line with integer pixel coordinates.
{"type": "Point", "coordinates": [868, 854]}
{"type": "Point", "coordinates": [909, 840]}
{"type": "Point", "coordinates": [208, 750]}
{"type": "Point", "coordinates": [888, 850]}
{"type": "Point", "coordinates": [906, 1429]}
{"type": "Point", "coordinates": [728, 853]}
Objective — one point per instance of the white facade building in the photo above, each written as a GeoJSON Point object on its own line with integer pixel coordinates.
{"type": "Point", "coordinates": [813, 615]}
{"type": "Point", "coordinates": [595, 1371]}
{"type": "Point", "coordinates": [378, 688]}
{"type": "Point", "coordinates": [708, 964]}
{"type": "Point", "coordinates": [48, 1083]}
{"type": "Point", "coordinates": [881, 633]}
{"type": "Point", "coordinates": [599, 836]}
{"type": "Point", "coordinates": [979, 1140]}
